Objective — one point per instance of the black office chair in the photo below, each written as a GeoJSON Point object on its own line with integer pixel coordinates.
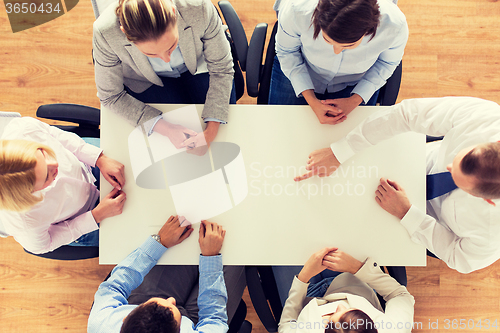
{"type": "Point", "coordinates": [242, 51]}
{"type": "Point", "coordinates": [87, 120]}
{"type": "Point", "coordinates": [265, 298]}
{"type": "Point", "coordinates": [258, 75]}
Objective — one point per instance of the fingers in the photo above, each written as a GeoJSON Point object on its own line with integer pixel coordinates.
{"type": "Point", "coordinates": [190, 132]}
{"type": "Point", "coordinates": [191, 142]}
{"type": "Point", "coordinates": [186, 233]}
{"type": "Point", "coordinates": [113, 194]}
{"type": "Point", "coordinates": [305, 176]}
{"type": "Point", "coordinates": [202, 229]}
{"type": "Point", "coordinates": [394, 184]}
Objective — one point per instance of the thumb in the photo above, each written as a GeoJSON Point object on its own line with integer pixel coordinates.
{"type": "Point", "coordinates": [186, 234]}
{"type": "Point", "coordinates": [113, 193]}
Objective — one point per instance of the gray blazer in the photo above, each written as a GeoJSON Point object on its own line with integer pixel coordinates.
{"type": "Point", "coordinates": [118, 62]}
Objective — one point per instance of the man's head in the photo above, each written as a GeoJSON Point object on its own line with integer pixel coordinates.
{"type": "Point", "coordinates": [346, 22]}
{"type": "Point", "coordinates": [476, 170]}
{"type": "Point", "coordinates": [158, 315]}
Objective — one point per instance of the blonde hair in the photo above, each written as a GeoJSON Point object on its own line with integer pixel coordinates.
{"type": "Point", "coordinates": [17, 174]}
{"type": "Point", "coordinates": [145, 20]}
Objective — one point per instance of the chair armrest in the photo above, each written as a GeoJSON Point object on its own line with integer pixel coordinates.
{"type": "Point", "coordinates": [236, 30]}
{"type": "Point", "coordinates": [254, 59]}
{"type": "Point", "coordinates": [83, 115]}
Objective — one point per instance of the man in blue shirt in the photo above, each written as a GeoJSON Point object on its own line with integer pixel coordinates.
{"type": "Point", "coordinates": [171, 298]}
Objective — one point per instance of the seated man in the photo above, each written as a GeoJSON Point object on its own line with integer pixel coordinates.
{"type": "Point", "coordinates": [166, 300]}
{"type": "Point", "coordinates": [462, 227]}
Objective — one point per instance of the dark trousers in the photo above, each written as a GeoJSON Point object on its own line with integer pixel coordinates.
{"type": "Point", "coordinates": [186, 89]}
{"type": "Point", "coordinates": [281, 91]}
{"type": "Point", "coordinates": [181, 283]}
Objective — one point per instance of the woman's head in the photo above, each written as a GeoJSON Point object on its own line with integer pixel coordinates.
{"type": "Point", "coordinates": [346, 21]}
{"type": "Point", "coordinates": [146, 20]}
{"type": "Point", "coordinates": [25, 167]}
{"type": "Point", "coordinates": [350, 321]}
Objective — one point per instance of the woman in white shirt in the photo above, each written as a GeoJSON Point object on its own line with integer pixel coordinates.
{"type": "Point", "coordinates": [346, 301]}
{"type": "Point", "coordinates": [47, 192]}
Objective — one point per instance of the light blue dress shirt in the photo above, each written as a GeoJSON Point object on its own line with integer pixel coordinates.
{"type": "Point", "coordinates": [174, 68]}
{"type": "Point", "coordinates": [312, 64]}
{"type": "Point", "coordinates": [111, 305]}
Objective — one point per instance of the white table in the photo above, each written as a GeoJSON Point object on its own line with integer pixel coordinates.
{"type": "Point", "coordinates": [281, 222]}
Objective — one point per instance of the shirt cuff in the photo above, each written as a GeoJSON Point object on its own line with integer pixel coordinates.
{"type": "Point", "coordinates": [86, 223]}
{"type": "Point", "coordinates": [153, 248]}
{"type": "Point", "coordinates": [300, 83]}
{"type": "Point", "coordinates": [150, 124]}
{"type": "Point", "coordinates": [369, 267]}
{"type": "Point", "coordinates": [211, 264]}
{"type": "Point", "coordinates": [89, 154]}
{"type": "Point", "coordinates": [365, 89]}
{"type": "Point", "coordinates": [342, 150]}
{"type": "Point", "coordinates": [412, 219]}
{"type": "Point", "coordinates": [215, 119]}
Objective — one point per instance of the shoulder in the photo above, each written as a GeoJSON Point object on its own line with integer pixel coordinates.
{"type": "Point", "coordinates": [107, 23]}
{"type": "Point", "coordinates": [20, 128]}
{"type": "Point", "coordinates": [390, 14]}
{"type": "Point", "coordinates": [188, 6]}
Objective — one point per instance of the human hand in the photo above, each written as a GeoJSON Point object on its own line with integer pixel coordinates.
{"type": "Point", "coordinates": [314, 265]}
{"type": "Point", "coordinates": [345, 105]}
{"type": "Point", "coordinates": [392, 198]}
{"type": "Point", "coordinates": [199, 144]}
{"type": "Point", "coordinates": [327, 114]}
{"type": "Point", "coordinates": [112, 170]}
{"type": "Point", "coordinates": [211, 238]}
{"type": "Point", "coordinates": [172, 233]}
{"type": "Point", "coordinates": [321, 162]}
{"type": "Point", "coordinates": [177, 134]}
{"type": "Point", "coordinates": [339, 261]}
{"type": "Point", "coordinates": [111, 205]}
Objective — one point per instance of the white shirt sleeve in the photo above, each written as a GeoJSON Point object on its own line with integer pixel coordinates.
{"type": "Point", "coordinates": [431, 116]}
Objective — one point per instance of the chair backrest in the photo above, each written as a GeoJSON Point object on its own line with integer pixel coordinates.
{"type": "Point", "coordinates": [5, 118]}
{"type": "Point", "coordinates": [100, 5]}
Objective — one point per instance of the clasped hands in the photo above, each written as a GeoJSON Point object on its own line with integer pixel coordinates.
{"type": "Point", "coordinates": [332, 111]}
{"type": "Point", "coordinates": [183, 137]}
{"type": "Point", "coordinates": [211, 235]}
{"type": "Point", "coordinates": [328, 258]}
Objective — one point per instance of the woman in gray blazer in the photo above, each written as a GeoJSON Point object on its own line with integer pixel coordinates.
{"type": "Point", "coordinates": [346, 302]}
{"type": "Point", "coordinates": [164, 51]}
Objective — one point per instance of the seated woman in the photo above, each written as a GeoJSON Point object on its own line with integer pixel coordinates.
{"type": "Point", "coordinates": [164, 51]}
{"type": "Point", "coordinates": [345, 302]}
{"type": "Point", "coordinates": [335, 54]}
{"type": "Point", "coordinates": [47, 192]}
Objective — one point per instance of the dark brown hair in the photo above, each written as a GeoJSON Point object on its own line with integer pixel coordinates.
{"type": "Point", "coordinates": [483, 162]}
{"type": "Point", "coordinates": [353, 321]}
{"type": "Point", "coordinates": [150, 318]}
{"type": "Point", "coordinates": [145, 20]}
{"type": "Point", "coordinates": [346, 21]}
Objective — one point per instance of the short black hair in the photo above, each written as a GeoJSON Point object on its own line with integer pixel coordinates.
{"type": "Point", "coordinates": [346, 21]}
{"type": "Point", "coordinates": [150, 317]}
{"type": "Point", "coordinates": [483, 163]}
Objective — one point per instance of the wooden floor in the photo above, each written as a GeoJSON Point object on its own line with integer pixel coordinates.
{"type": "Point", "coordinates": [454, 49]}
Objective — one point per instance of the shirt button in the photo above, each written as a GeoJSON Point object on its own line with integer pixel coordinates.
{"type": "Point", "coordinates": [374, 264]}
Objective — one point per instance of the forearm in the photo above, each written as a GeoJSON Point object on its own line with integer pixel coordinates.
{"type": "Point", "coordinates": [293, 304]}
{"type": "Point", "coordinates": [212, 297]}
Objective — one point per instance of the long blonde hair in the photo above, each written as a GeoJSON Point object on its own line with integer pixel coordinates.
{"type": "Point", "coordinates": [145, 20]}
{"type": "Point", "coordinates": [17, 174]}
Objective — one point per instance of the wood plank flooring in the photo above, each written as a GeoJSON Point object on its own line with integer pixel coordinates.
{"type": "Point", "coordinates": [453, 49]}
